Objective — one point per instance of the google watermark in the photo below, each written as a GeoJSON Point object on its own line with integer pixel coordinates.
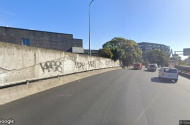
{"type": "Point", "coordinates": [184, 122]}
{"type": "Point", "coordinates": [7, 121]}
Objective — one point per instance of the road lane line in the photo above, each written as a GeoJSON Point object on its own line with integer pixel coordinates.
{"type": "Point", "coordinates": [143, 112]}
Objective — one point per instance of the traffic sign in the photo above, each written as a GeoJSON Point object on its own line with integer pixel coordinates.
{"type": "Point", "coordinates": [186, 51]}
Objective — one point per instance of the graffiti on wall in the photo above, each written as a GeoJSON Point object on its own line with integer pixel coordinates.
{"type": "Point", "coordinates": [55, 66]}
{"type": "Point", "coordinates": [79, 65]}
{"type": "Point", "coordinates": [99, 63]}
{"type": "Point", "coordinates": [108, 62]}
{"type": "Point", "coordinates": [72, 58]}
{"type": "Point", "coordinates": [92, 64]}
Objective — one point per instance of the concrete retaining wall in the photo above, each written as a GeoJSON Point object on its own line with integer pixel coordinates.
{"type": "Point", "coordinates": [184, 70]}
{"type": "Point", "coordinates": [22, 63]}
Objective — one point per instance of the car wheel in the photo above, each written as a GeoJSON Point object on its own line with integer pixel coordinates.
{"type": "Point", "coordinates": [175, 80]}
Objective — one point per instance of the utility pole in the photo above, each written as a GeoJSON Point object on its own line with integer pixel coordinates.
{"type": "Point", "coordinates": [89, 27]}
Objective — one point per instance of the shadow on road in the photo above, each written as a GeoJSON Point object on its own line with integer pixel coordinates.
{"type": "Point", "coordinates": [148, 70]}
{"type": "Point", "coordinates": [131, 69]}
{"type": "Point", "coordinates": [157, 80]}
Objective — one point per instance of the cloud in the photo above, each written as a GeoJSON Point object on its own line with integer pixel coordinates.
{"type": "Point", "coordinates": [7, 13]}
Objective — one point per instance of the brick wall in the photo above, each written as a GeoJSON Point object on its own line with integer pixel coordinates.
{"type": "Point", "coordinates": [41, 39]}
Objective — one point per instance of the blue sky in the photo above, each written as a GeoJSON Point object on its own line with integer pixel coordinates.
{"type": "Point", "coordinates": [158, 21]}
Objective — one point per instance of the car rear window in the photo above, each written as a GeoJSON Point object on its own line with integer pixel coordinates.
{"type": "Point", "coordinates": [136, 64]}
{"type": "Point", "coordinates": [152, 66]}
{"type": "Point", "coordinates": [170, 70]}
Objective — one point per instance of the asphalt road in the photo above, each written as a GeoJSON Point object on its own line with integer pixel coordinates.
{"type": "Point", "coordinates": [120, 97]}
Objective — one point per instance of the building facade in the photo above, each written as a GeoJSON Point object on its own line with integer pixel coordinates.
{"type": "Point", "coordinates": [145, 47]}
{"type": "Point", "coordinates": [172, 63]}
{"type": "Point", "coordinates": [40, 39]}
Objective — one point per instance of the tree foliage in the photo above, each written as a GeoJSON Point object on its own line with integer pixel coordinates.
{"type": "Point", "coordinates": [105, 52]}
{"type": "Point", "coordinates": [157, 56]}
{"type": "Point", "coordinates": [126, 50]}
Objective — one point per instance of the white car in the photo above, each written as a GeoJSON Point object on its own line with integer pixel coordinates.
{"type": "Point", "coordinates": [152, 67]}
{"type": "Point", "coordinates": [168, 73]}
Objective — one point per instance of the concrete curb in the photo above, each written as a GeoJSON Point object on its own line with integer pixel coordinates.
{"type": "Point", "coordinates": [17, 92]}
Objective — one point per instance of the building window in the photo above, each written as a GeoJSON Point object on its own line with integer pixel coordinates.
{"type": "Point", "coordinates": [26, 42]}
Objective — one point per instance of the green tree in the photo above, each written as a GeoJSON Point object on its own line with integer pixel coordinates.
{"type": "Point", "coordinates": [126, 50]}
{"type": "Point", "coordinates": [105, 52]}
{"type": "Point", "coordinates": [131, 51]}
{"type": "Point", "coordinates": [115, 46]}
{"type": "Point", "coordinates": [157, 56]}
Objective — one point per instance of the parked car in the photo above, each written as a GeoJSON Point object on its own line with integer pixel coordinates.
{"type": "Point", "coordinates": [137, 66]}
{"type": "Point", "coordinates": [152, 67]}
{"type": "Point", "coordinates": [168, 73]}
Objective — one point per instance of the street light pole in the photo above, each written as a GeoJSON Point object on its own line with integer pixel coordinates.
{"type": "Point", "coordinates": [89, 28]}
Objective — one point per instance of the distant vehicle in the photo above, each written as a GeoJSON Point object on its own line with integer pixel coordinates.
{"type": "Point", "coordinates": [168, 73]}
{"type": "Point", "coordinates": [152, 67]}
{"type": "Point", "coordinates": [137, 66]}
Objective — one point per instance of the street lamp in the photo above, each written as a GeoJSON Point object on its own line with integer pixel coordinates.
{"type": "Point", "coordinates": [89, 27]}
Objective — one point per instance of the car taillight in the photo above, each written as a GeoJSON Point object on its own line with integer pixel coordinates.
{"type": "Point", "coordinates": [162, 73]}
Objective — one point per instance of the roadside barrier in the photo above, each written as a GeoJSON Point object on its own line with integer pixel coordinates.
{"type": "Point", "coordinates": [23, 63]}
{"type": "Point", "coordinates": [183, 70]}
